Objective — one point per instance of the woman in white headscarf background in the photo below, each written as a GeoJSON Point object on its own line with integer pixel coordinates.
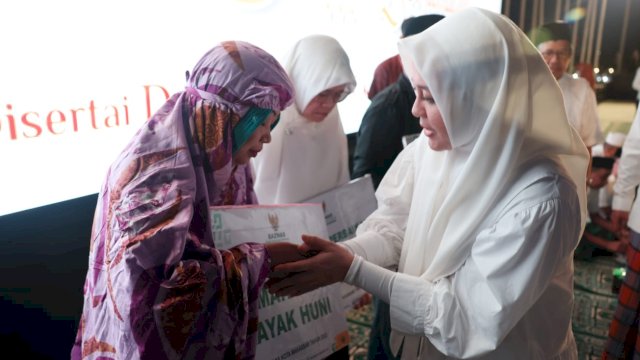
{"type": "Point", "coordinates": [481, 214]}
{"type": "Point", "coordinates": [308, 153]}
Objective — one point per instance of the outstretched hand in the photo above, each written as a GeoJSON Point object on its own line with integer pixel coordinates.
{"type": "Point", "coordinates": [328, 263]}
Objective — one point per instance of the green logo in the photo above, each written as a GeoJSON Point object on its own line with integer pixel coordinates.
{"type": "Point", "coordinates": [216, 220]}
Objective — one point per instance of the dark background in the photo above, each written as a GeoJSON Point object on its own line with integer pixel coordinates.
{"type": "Point", "coordinates": [44, 251]}
{"type": "Point", "coordinates": [43, 262]}
{"type": "Point", "coordinates": [609, 55]}
{"type": "Point", "coordinates": [612, 25]}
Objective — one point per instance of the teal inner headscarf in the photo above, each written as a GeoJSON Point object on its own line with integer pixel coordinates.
{"type": "Point", "coordinates": [248, 124]}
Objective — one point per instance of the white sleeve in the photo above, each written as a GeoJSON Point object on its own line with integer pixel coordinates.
{"type": "Point", "coordinates": [379, 238]}
{"type": "Point", "coordinates": [629, 169]}
{"type": "Point", "coordinates": [511, 264]}
{"type": "Point", "coordinates": [370, 277]}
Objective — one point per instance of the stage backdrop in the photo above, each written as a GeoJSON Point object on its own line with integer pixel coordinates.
{"type": "Point", "coordinates": [78, 78]}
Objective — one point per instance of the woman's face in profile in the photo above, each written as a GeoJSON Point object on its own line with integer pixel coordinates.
{"type": "Point", "coordinates": [322, 104]}
{"type": "Point", "coordinates": [426, 109]}
{"type": "Point", "coordinates": [251, 148]}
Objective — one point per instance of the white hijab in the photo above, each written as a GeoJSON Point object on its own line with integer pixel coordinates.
{"type": "Point", "coordinates": [503, 111]}
{"type": "Point", "coordinates": [307, 158]}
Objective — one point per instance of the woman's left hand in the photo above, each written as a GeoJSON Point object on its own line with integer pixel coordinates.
{"type": "Point", "coordinates": [283, 252]}
{"type": "Point", "coordinates": [329, 264]}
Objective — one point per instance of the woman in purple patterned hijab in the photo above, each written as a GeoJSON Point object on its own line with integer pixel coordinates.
{"type": "Point", "coordinates": [156, 287]}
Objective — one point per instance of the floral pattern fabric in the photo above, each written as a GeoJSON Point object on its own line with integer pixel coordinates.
{"type": "Point", "coordinates": [156, 286]}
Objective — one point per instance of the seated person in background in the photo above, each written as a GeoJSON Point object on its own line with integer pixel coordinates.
{"type": "Point", "coordinates": [388, 118]}
{"type": "Point", "coordinates": [308, 154]}
{"type": "Point", "coordinates": [599, 232]}
{"type": "Point", "coordinates": [157, 288]}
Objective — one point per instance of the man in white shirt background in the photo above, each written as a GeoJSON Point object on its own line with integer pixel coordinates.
{"type": "Point", "coordinates": [553, 40]}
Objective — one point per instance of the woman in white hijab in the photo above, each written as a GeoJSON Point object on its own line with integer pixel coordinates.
{"type": "Point", "coordinates": [481, 214]}
{"type": "Point", "coordinates": [308, 153]}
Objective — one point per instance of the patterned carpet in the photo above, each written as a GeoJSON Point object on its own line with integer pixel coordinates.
{"type": "Point", "coordinates": [594, 308]}
{"type": "Point", "coordinates": [359, 326]}
{"type": "Point", "coordinates": [595, 304]}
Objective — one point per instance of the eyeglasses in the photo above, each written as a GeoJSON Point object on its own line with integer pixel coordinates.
{"type": "Point", "coordinates": [332, 95]}
{"type": "Point", "coordinates": [561, 54]}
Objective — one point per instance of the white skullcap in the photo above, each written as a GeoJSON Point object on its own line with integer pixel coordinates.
{"type": "Point", "coordinates": [615, 138]}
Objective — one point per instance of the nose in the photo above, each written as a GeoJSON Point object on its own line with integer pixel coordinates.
{"type": "Point", "coordinates": [328, 102]}
{"type": "Point", "coordinates": [554, 59]}
{"type": "Point", "coordinates": [417, 110]}
{"type": "Point", "coordinates": [266, 138]}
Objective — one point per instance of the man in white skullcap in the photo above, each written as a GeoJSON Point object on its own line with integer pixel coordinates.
{"type": "Point", "coordinates": [553, 40]}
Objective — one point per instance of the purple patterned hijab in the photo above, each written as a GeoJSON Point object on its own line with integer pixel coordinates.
{"type": "Point", "coordinates": [156, 287]}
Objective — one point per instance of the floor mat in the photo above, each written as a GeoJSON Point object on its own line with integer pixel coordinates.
{"type": "Point", "coordinates": [359, 321]}
{"type": "Point", "coordinates": [595, 304]}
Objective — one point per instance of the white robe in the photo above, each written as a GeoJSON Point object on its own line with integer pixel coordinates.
{"type": "Point", "coordinates": [582, 109]}
{"type": "Point", "coordinates": [307, 158]}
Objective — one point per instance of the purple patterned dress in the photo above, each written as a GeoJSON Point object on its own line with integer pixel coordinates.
{"type": "Point", "coordinates": [156, 287]}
